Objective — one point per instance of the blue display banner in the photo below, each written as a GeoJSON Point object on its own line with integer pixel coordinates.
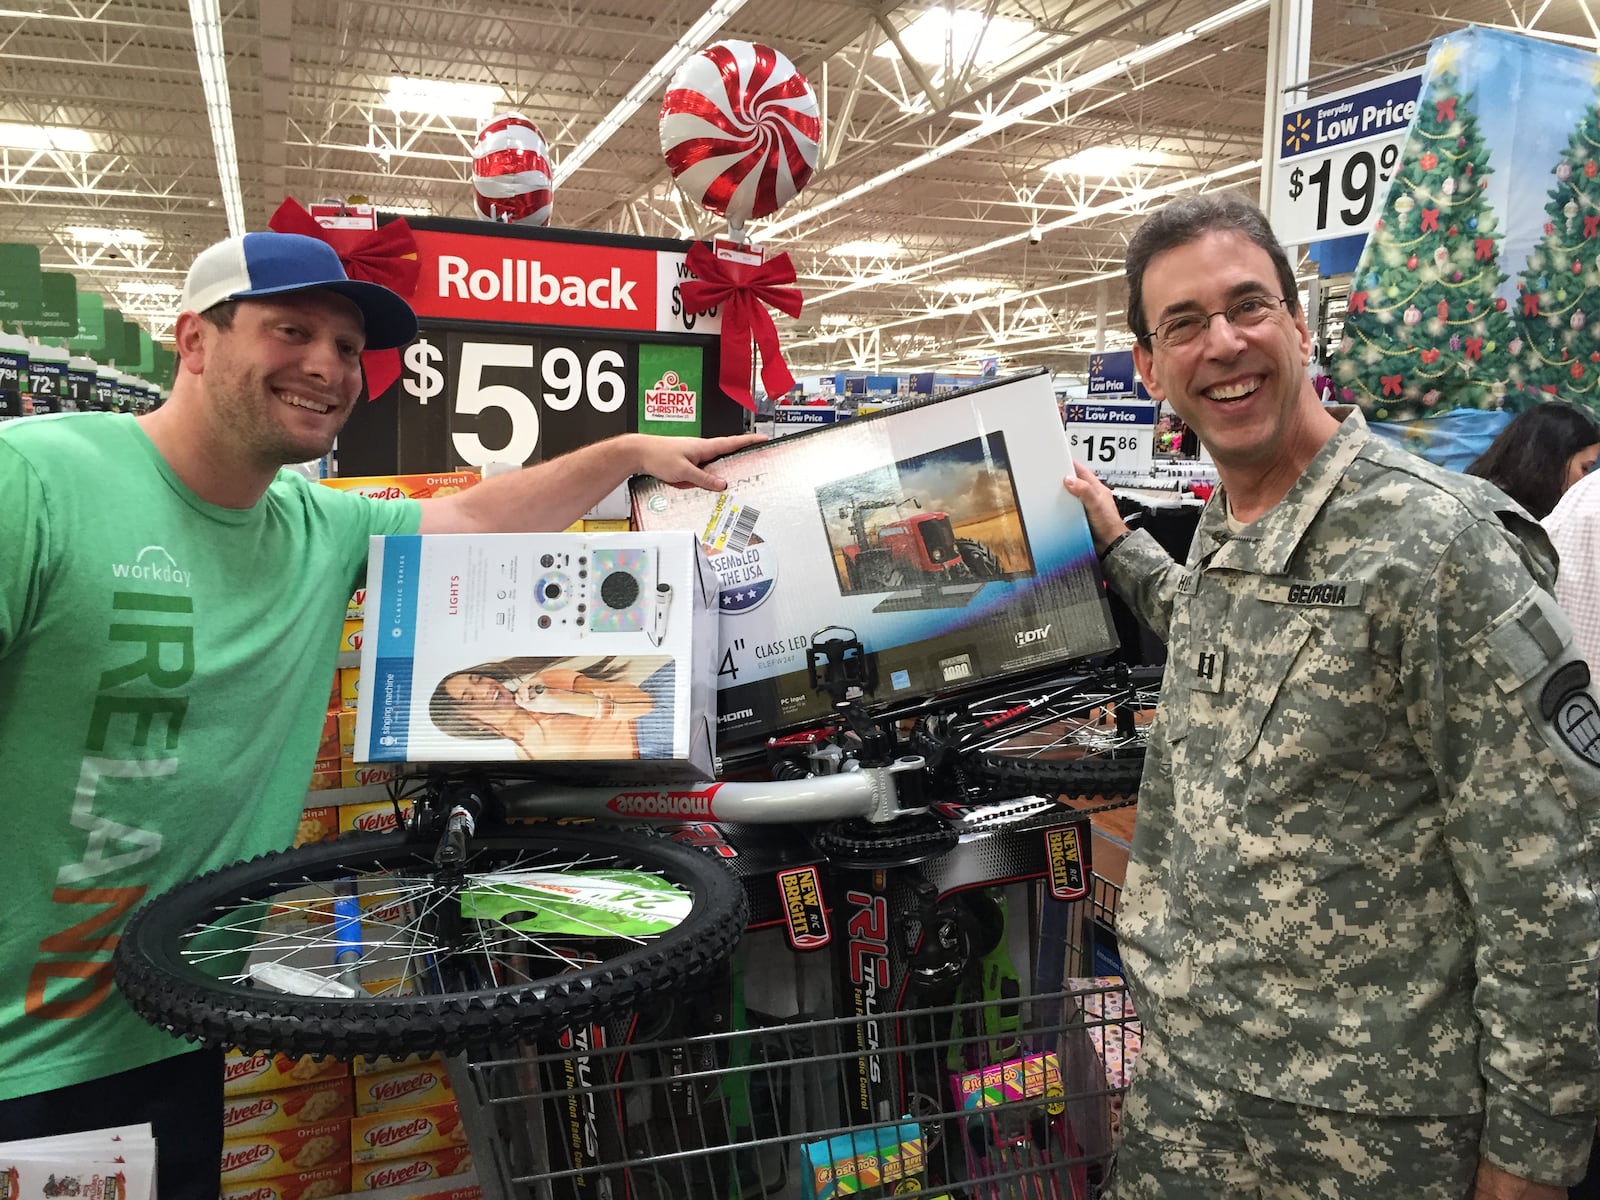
{"type": "Point", "coordinates": [1078, 413]}
{"type": "Point", "coordinates": [1382, 110]}
{"type": "Point", "coordinates": [1111, 373]}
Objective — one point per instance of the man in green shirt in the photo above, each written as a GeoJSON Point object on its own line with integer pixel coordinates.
{"type": "Point", "coordinates": [170, 608]}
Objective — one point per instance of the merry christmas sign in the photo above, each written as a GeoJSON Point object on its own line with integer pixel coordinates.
{"type": "Point", "coordinates": [1479, 288]}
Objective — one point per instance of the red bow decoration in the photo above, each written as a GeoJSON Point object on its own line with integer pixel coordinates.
{"type": "Point", "coordinates": [1483, 249]}
{"type": "Point", "coordinates": [1358, 302]}
{"type": "Point", "coordinates": [1530, 304]}
{"type": "Point", "coordinates": [1591, 226]}
{"type": "Point", "coordinates": [1444, 110]}
{"type": "Point", "coordinates": [1391, 384]}
{"type": "Point", "coordinates": [1430, 220]}
{"type": "Point", "coordinates": [1474, 348]}
{"type": "Point", "coordinates": [1430, 356]}
{"type": "Point", "coordinates": [386, 255]}
{"type": "Point", "coordinates": [743, 292]}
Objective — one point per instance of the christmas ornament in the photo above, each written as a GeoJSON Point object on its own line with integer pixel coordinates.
{"type": "Point", "coordinates": [1577, 371]}
{"type": "Point", "coordinates": [1428, 161]}
{"type": "Point", "coordinates": [1515, 347]}
{"type": "Point", "coordinates": [1500, 303]}
{"type": "Point", "coordinates": [1569, 210]}
{"type": "Point", "coordinates": [1403, 204]}
{"type": "Point", "coordinates": [1544, 282]}
{"type": "Point", "coordinates": [1430, 398]}
{"type": "Point", "coordinates": [1412, 315]}
{"type": "Point", "coordinates": [1563, 171]}
{"type": "Point", "coordinates": [1372, 279]}
{"type": "Point", "coordinates": [1578, 320]}
{"type": "Point", "coordinates": [1443, 310]}
{"type": "Point", "coordinates": [1590, 169]}
{"type": "Point", "coordinates": [1472, 223]}
{"type": "Point", "coordinates": [1411, 263]}
{"type": "Point", "coordinates": [739, 130]}
{"type": "Point", "coordinates": [1448, 187]}
{"type": "Point", "coordinates": [1440, 256]}
{"type": "Point", "coordinates": [1455, 341]}
{"type": "Point", "coordinates": [511, 172]}
{"type": "Point", "coordinates": [1461, 143]}
{"type": "Point", "coordinates": [1469, 308]}
{"type": "Point", "coordinates": [1455, 277]}
{"type": "Point", "coordinates": [1348, 395]}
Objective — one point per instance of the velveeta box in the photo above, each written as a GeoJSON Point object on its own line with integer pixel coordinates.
{"type": "Point", "coordinates": [318, 823]}
{"type": "Point", "coordinates": [354, 774]}
{"type": "Point", "coordinates": [349, 682]}
{"type": "Point", "coordinates": [355, 609]}
{"type": "Point", "coordinates": [383, 1064]}
{"type": "Point", "coordinates": [317, 1184]}
{"type": "Point", "coordinates": [406, 1134]}
{"type": "Point", "coordinates": [263, 1155]}
{"type": "Point", "coordinates": [350, 638]}
{"type": "Point", "coordinates": [406, 487]}
{"type": "Point", "coordinates": [377, 816]}
{"type": "Point", "coordinates": [325, 774]}
{"type": "Point", "coordinates": [413, 1086]}
{"type": "Point", "coordinates": [397, 1172]}
{"type": "Point", "coordinates": [290, 1108]}
{"type": "Point", "coordinates": [264, 1071]}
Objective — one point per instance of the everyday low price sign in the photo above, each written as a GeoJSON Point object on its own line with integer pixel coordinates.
{"type": "Point", "coordinates": [1112, 439]}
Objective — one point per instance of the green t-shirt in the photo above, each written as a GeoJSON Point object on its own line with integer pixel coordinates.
{"type": "Point", "coordinates": [165, 666]}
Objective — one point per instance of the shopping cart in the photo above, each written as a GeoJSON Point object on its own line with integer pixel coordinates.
{"type": "Point", "coordinates": [763, 1109]}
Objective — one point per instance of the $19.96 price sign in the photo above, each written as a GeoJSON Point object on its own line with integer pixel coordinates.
{"type": "Point", "coordinates": [1337, 157]}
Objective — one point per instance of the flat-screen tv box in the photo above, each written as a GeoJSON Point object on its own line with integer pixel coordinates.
{"type": "Point", "coordinates": [938, 532]}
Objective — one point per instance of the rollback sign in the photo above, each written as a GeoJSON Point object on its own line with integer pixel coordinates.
{"type": "Point", "coordinates": [533, 343]}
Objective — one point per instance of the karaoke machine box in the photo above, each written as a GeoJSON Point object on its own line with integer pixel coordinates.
{"type": "Point", "coordinates": [592, 651]}
{"type": "Point", "coordinates": [938, 533]}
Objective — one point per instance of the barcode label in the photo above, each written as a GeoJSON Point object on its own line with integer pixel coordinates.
{"type": "Point", "coordinates": [739, 537]}
{"type": "Point", "coordinates": [731, 526]}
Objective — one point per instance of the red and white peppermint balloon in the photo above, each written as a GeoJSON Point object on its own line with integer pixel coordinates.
{"type": "Point", "coordinates": [511, 172]}
{"type": "Point", "coordinates": [739, 130]}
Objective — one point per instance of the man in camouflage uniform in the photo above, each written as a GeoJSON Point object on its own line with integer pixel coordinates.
{"type": "Point", "coordinates": [1360, 918]}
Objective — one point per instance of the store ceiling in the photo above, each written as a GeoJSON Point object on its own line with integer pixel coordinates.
{"type": "Point", "coordinates": [964, 275]}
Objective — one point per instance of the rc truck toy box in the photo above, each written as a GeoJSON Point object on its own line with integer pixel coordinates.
{"type": "Point", "coordinates": [595, 651]}
{"type": "Point", "coordinates": [939, 533]}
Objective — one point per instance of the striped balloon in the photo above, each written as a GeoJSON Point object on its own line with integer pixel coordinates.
{"type": "Point", "coordinates": [739, 129]}
{"type": "Point", "coordinates": [511, 172]}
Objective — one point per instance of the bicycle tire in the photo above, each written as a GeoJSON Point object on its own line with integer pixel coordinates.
{"type": "Point", "coordinates": [203, 1001]}
{"type": "Point", "coordinates": [1067, 739]}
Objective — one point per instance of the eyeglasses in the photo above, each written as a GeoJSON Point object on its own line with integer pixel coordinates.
{"type": "Point", "coordinates": [1243, 314]}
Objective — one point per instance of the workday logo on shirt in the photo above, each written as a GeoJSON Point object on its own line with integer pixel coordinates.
{"type": "Point", "coordinates": [152, 565]}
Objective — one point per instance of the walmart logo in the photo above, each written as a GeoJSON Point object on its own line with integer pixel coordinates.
{"type": "Point", "coordinates": [1097, 365]}
{"type": "Point", "coordinates": [1296, 133]}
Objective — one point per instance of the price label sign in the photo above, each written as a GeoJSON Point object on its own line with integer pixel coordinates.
{"type": "Point", "coordinates": [1112, 439]}
{"type": "Point", "coordinates": [533, 343]}
{"type": "Point", "coordinates": [1336, 158]}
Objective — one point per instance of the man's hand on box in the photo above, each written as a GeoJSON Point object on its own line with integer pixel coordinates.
{"type": "Point", "coordinates": [677, 460]}
{"type": "Point", "coordinates": [1099, 505]}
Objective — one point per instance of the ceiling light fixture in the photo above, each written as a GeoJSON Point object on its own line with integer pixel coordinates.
{"type": "Point", "coordinates": [442, 97]}
{"type": "Point", "coordinates": [970, 287]}
{"type": "Point", "coordinates": [925, 38]}
{"type": "Point", "coordinates": [138, 287]}
{"type": "Point", "coordinates": [1097, 161]}
{"type": "Point", "coordinates": [95, 235]}
{"type": "Point", "coordinates": [867, 248]}
{"type": "Point", "coordinates": [46, 137]}
{"type": "Point", "coordinates": [654, 80]}
{"type": "Point", "coordinates": [207, 21]}
{"type": "Point", "coordinates": [1047, 99]}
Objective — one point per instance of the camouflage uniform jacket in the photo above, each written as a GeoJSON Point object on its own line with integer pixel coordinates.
{"type": "Point", "coordinates": [1363, 876]}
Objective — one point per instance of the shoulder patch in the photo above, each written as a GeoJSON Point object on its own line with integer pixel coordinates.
{"type": "Point", "coordinates": [1570, 707]}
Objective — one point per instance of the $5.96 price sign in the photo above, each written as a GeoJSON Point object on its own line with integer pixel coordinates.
{"type": "Point", "coordinates": [514, 398]}
{"type": "Point", "coordinates": [1336, 158]}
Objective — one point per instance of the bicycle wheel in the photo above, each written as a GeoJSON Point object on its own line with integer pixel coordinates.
{"type": "Point", "coordinates": [1083, 735]}
{"type": "Point", "coordinates": [509, 947]}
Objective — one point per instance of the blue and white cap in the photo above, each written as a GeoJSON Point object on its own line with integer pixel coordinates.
{"type": "Point", "coordinates": [256, 265]}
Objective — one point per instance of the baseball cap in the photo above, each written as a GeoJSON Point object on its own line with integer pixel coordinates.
{"type": "Point", "coordinates": [256, 265]}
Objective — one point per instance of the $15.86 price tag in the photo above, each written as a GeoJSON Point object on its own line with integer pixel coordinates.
{"type": "Point", "coordinates": [1112, 438]}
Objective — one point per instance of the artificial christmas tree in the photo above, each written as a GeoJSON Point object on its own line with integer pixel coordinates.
{"type": "Point", "coordinates": [1556, 350]}
{"type": "Point", "coordinates": [1424, 332]}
